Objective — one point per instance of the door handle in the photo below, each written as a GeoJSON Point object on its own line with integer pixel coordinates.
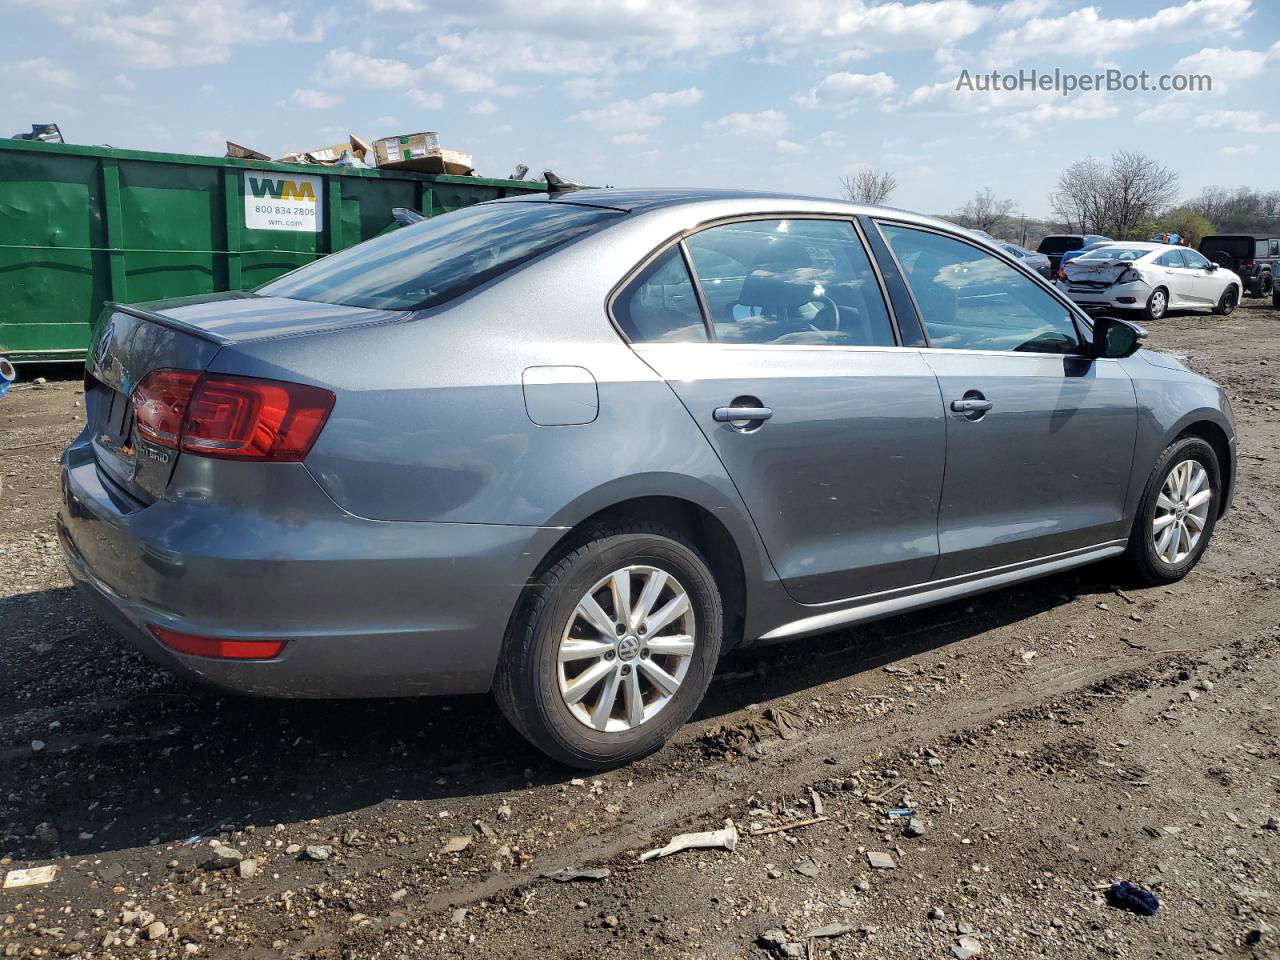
{"type": "Point", "coordinates": [729, 414]}
{"type": "Point", "coordinates": [971, 405]}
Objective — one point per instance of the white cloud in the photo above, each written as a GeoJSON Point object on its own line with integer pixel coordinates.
{"type": "Point", "coordinates": [1239, 121]}
{"type": "Point", "coordinates": [790, 148]}
{"type": "Point", "coordinates": [1244, 150]}
{"type": "Point", "coordinates": [641, 113]}
{"type": "Point", "coordinates": [1227, 66]}
{"type": "Point", "coordinates": [630, 139]}
{"type": "Point", "coordinates": [347, 68]}
{"type": "Point", "coordinates": [39, 73]}
{"type": "Point", "coordinates": [1085, 32]}
{"type": "Point", "coordinates": [843, 89]}
{"type": "Point", "coordinates": [483, 107]}
{"type": "Point", "coordinates": [766, 123]}
{"type": "Point", "coordinates": [313, 99]}
{"type": "Point", "coordinates": [123, 82]}
{"type": "Point", "coordinates": [425, 100]}
{"type": "Point", "coordinates": [1087, 106]}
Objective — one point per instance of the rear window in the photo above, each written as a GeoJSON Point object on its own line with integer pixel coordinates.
{"type": "Point", "coordinates": [429, 263]}
{"type": "Point", "coordinates": [1126, 254]}
{"type": "Point", "coordinates": [1059, 244]}
{"type": "Point", "coordinates": [1232, 246]}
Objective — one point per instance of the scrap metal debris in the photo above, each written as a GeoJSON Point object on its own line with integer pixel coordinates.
{"type": "Point", "coordinates": [570, 874]}
{"type": "Point", "coordinates": [726, 838]}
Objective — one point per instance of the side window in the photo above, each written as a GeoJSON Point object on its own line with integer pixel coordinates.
{"type": "Point", "coordinates": [659, 305]}
{"type": "Point", "coordinates": [1275, 248]}
{"type": "Point", "coordinates": [790, 282]}
{"type": "Point", "coordinates": [1194, 260]}
{"type": "Point", "coordinates": [972, 301]}
{"type": "Point", "coordinates": [1171, 258]}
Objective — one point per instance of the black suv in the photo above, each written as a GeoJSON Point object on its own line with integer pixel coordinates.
{"type": "Point", "coordinates": [1056, 244]}
{"type": "Point", "coordinates": [1256, 259]}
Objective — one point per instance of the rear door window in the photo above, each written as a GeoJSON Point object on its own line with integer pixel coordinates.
{"type": "Point", "coordinates": [430, 263]}
{"type": "Point", "coordinates": [790, 282]}
{"type": "Point", "coordinates": [970, 300]}
{"type": "Point", "coordinates": [1171, 258]}
{"type": "Point", "coordinates": [1194, 260]}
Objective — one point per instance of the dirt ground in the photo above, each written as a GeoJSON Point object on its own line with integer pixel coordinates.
{"type": "Point", "coordinates": [1051, 739]}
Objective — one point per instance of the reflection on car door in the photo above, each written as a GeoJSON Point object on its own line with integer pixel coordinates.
{"type": "Point", "coordinates": [1175, 276]}
{"type": "Point", "coordinates": [1039, 437]}
{"type": "Point", "coordinates": [1206, 284]}
{"type": "Point", "coordinates": [832, 433]}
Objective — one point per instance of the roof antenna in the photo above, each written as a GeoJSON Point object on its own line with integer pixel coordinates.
{"type": "Point", "coordinates": [557, 184]}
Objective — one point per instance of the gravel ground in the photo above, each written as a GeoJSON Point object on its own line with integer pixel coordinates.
{"type": "Point", "coordinates": [1051, 739]}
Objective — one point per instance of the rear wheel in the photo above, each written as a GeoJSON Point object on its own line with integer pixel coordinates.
{"type": "Point", "coordinates": [612, 648]}
{"type": "Point", "coordinates": [1177, 514]}
{"type": "Point", "coordinates": [1266, 285]}
{"type": "Point", "coordinates": [1227, 302]}
{"type": "Point", "coordinates": [1157, 303]}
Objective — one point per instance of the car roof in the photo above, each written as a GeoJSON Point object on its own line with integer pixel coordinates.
{"type": "Point", "coordinates": [1139, 244]}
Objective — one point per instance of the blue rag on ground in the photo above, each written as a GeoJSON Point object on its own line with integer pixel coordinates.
{"type": "Point", "coordinates": [1130, 896]}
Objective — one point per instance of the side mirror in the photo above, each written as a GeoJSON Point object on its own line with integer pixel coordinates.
{"type": "Point", "coordinates": [1212, 266]}
{"type": "Point", "coordinates": [1114, 338]}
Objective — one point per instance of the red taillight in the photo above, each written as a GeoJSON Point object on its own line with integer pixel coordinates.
{"type": "Point", "coordinates": [219, 415]}
{"type": "Point", "coordinates": [160, 404]}
{"type": "Point", "coordinates": [1062, 275]}
{"type": "Point", "coordinates": [218, 647]}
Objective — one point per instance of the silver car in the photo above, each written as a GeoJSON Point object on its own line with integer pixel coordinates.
{"type": "Point", "coordinates": [573, 449]}
{"type": "Point", "coordinates": [1149, 277]}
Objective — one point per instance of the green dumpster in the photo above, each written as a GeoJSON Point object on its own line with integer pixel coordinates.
{"type": "Point", "coordinates": [81, 226]}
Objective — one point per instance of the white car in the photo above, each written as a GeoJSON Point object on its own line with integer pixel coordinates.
{"type": "Point", "coordinates": [1151, 277]}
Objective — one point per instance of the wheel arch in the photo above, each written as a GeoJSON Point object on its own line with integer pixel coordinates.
{"type": "Point", "coordinates": [718, 528]}
{"type": "Point", "coordinates": [1213, 434]}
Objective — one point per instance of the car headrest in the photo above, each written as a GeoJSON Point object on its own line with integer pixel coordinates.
{"type": "Point", "coordinates": [782, 277]}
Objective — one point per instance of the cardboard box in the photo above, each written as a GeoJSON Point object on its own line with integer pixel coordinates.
{"type": "Point", "coordinates": [238, 152]}
{"type": "Point", "coordinates": [437, 160]}
{"type": "Point", "coordinates": [405, 147]}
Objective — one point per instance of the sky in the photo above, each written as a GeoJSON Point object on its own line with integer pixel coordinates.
{"type": "Point", "coordinates": [759, 94]}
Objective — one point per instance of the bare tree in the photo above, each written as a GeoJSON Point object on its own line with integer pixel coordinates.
{"type": "Point", "coordinates": [984, 212]}
{"type": "Point", "coordinates": [1242, 209]}
{"type": "Point", "coordinates": [1117, 201]}
{"type": "Point", "coordinates": [869, 186]}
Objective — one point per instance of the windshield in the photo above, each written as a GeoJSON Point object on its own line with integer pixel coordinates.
{"type": "Point", "coordinates": [429, 263]}
{"type": "Point", "coordinates": [1124, 254]}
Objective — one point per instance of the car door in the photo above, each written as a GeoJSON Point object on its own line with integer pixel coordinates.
{"type": "Point", "coordinates": [1207, 283]}
{"type": "Point", "coordinates": [1039, 436]}
{"type": "Point", "coordinates": [1173, 275]}
{"type": "Point", "coordinates": [831, 431]}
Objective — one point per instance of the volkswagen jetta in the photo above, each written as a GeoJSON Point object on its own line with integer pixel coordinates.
{"type": "Point", "coordinates": [572, 449]}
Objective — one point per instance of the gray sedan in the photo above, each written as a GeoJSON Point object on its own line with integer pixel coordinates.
{"type": "Point", "coordinates": [572, 449]}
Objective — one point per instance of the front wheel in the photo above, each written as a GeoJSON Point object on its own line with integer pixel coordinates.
{"type": "Point", "coordinates": [612, 647]}
{"type": "Point", "coordinates": [1177, 513]}
{"type": "Point", "coordinates": [1157, 303]}
{"type": "Point", "coordinates": [1227, 302]}
{"type": "Point", "coordinates": [1266, 285]}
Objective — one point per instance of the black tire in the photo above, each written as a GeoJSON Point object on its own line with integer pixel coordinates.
{"type": "Point", "coordinates": [1275, 298]}
{"type": "Point", "coordinates": [1140, 555]}
{"type": "Point", "coordinates": [1266, 285]}
{"type": "Point", "coordinates": [1157, 306]}
{"type": "Point", "coordinates": [1227, 302]}
{"type": "Point", "coordinates": [527, 685]}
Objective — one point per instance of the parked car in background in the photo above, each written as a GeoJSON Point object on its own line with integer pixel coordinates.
{"type": "Point", "coordinates": [1056, 244]}
{"type": "Point", "coordinates": [1030, 259]}
{"type": "Point", "coordinates": [572, 449]}
{"type": "Point", "coordinates": [1254, 259]}
{"type": "Point", "coordinates": [1150, 277]}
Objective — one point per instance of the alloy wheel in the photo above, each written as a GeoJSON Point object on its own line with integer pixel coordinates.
{"type": "Point", "coordinates": [626, 649]}
{"type": "Point", "coordinates": [1182, 511]}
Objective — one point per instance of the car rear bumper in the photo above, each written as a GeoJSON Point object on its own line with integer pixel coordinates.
{"type": "Point", "coordinates": [367, 608]}
{"type": "Point", "coordinates": [1120, 296]}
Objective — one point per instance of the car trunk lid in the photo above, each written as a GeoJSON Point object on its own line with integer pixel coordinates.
{"type": "Point", "coordinates": [132, 341]}
{"type": "Point", "coordinates": [1094, 272]}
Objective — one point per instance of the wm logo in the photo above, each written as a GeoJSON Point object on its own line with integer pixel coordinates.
{"type": "Point", "coordinates": [281, 189]}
